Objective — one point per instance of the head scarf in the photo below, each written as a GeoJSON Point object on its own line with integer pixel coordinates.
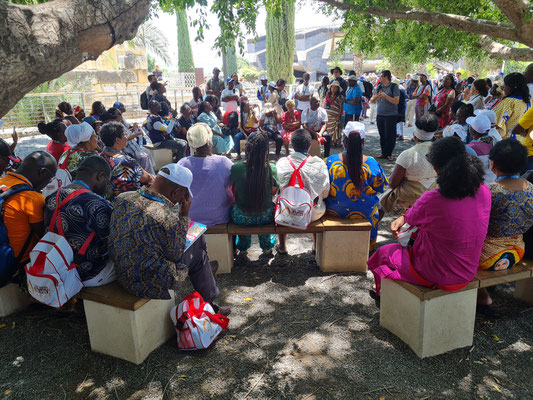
{"type": "Point", "coordinates": [199, 135]}
{"type": "Point", "coordinates": [78, 133]}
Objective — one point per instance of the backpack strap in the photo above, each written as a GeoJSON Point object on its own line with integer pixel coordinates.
{"type": "Point", "coordinates": [64, 164]}
{"type": "Point", "coordinates": [296, 176]}
{"type": "Point", "coordinates": [13, 190]}
{"type": "Point", "coordinates": [57, 216]}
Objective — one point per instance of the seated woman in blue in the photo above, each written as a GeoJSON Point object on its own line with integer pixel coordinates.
{"type": "Point", "coordinates": [221, 144]}
{"type": "Point", "coordinates": [355, 181]}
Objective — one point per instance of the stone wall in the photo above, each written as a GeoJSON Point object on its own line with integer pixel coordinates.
{"type": "Point", "coordinates": [122, 67]}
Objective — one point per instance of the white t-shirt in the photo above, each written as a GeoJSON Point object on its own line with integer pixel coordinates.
{"type": "Point", "coordinates": [314, 118]}
{"type": "Point", "coordinates": [230, 106]}
{"type": "Point", "coordinates": [417, 166]}
{"type": "Point", "coordinates": [304, 90]}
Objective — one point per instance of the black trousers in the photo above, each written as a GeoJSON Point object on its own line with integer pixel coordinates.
{"type": "Point", "coordinates": [327, 143]}
{"type": "Point", "coordinates": [276, 137]}
{"type": "Point", "coordinates": [387, 133]}
{"type": "Point", "coordinates": [200, 274]}
{"type": "Point", "coordinates": [350, 117]}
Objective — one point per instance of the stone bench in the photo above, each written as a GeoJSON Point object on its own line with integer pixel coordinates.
{"type": "Point", "coordinates": [433, 322]}
{"type": "Point", "coordinates": [161, 157]}
{"type": "Point", "coordinates": [124, 326]}
{"type": "Point", "coordinates": [342, 245]}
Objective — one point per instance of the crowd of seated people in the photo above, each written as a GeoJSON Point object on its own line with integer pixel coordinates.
{"type": "Point", "coordinates": [460, 182]}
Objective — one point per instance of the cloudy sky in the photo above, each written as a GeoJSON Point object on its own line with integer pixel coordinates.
{"type": "Point", "coordinates": [203, 53]}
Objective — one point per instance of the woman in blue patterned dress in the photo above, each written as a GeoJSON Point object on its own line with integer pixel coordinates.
{"type": "Point", "coordinates": [221, 144]}
{"type": "Point", "coordinates": [355, 180]}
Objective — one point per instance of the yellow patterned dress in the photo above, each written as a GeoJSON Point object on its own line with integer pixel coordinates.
{"type": "Point", "coordinates": [347, 201]}
{"type": "Point", "coordinates": [508, 113]}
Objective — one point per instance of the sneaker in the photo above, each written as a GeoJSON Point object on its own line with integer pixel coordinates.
{"type": "Point", "coordinates": [267, 252]}
{"type": "Point", "coordinates": [279, 251]}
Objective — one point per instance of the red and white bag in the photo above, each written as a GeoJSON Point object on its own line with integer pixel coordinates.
{"type": "Point", "coordinates": [62, 177]}
{"type": "Point", "coordinates": [294, 206]}
{"type": "Point", "coordinates": [196, 323]}
{"type": "Point", "coordinates": [52, 275]}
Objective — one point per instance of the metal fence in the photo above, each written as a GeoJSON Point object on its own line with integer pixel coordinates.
{"type": "Point", "coordinates": [39, 107]}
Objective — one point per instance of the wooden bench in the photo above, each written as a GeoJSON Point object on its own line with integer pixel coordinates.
{"type": "Point", "coordinates": [432, 321]}
{"type": "Point", "coordinates": [124, 326]}
{"type": "Point", "coordinates": [161, 157]}
{"type": "Point", "coordinates": [342, 244]}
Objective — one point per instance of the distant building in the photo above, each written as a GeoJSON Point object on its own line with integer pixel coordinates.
{"type": "Point", "coordinates": [314, 48]}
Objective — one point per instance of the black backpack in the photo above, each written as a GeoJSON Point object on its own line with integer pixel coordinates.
{"type": "Point", "coordinates": [401, 103]}
{"type": "Point", "coordinates": [9, 264]}
{"type": "Point", "coordinates": [144, 100]}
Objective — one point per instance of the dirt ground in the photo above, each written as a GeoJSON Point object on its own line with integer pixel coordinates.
{"type": "Point", "coordinates": [295, 333]}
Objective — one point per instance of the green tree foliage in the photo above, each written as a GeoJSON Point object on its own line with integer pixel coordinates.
{"type": "Point", "coordinates": [185, 58]}
{"type": "Point", "coordinates": [280, 42]}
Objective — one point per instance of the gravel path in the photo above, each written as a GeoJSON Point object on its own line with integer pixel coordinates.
{"type": "Point", "coordinates": [295, 333]}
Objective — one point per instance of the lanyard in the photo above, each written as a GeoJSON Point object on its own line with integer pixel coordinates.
{"type": "Point", "coordinates": [111, 150]}
{"type": "Point", "coordinates": [82, 184]}
{"type": "Point", "coordinates": [517, 176]}
{"type": "Point", "coordinates": [150, 197]}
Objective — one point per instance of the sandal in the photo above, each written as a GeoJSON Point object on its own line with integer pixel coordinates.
{"type": "Point", "coordinates": [390, 158]}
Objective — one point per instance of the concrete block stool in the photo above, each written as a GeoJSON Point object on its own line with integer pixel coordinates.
{"type": "Point", "coordinates": [343, 246]}
{"type": "Point", "coordinates": [429, 321]}
{"type": "Point", "coordinates": [12, 300]}
{"type": "Point", "coordinates": [220, 247]}
{"type": "Point", "coordinates": [162, 157]}
{"type": "Point", "coordinates": [125, 326]}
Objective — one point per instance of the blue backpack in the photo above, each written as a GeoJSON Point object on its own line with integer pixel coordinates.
{"type": "Point", "coordinates": [9, 264]}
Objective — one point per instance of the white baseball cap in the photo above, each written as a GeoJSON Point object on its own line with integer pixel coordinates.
{"type": "Point", "coordinates": [272, 84]}
{"type": "Point", "coordinates": [491, 115]}
{"type": "Point", "coordinates": [355, 126]}
{"type": "Point", "coordinates": [262, 77]}
{"type": "Point", "coordinates": [480, 123]}
{"type": "Point", "coordinates": [178, 174]}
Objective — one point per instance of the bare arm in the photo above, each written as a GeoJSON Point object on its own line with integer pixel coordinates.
{"type": "Point", "coordinates": [397, 176]}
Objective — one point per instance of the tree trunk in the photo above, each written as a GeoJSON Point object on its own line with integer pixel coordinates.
{"type": "Point", "coordinates": [358, 64]}
{"type": "Point", "coordinates": [280, 43]}
{"type": "Point", "coordinates": [185, 58]}
{"type": "Point", "coordinates": [42, 42]}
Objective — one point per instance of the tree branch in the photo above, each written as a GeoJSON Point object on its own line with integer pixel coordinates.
{"type": "Point", "coordinates": [502, 30]}
{"type": "Point", "coordinates": [41, 42]}
{"type": "Point", "coordinates": [514, 10]}
{"type": "Point", "coordinates": [498, 50]}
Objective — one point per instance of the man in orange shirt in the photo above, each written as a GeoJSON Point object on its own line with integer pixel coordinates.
{"type": "Point", "coordinates": [23, 212]}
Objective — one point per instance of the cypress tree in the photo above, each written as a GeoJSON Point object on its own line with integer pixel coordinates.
{"type": "Point", "coordinates": [185, 58]}
{"type": "Point", "coordinates": [230, 61]}
{"type": "Point", "coordinates": [280, 43]}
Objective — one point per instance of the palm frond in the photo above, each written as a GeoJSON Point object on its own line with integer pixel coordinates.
{"type": "Point", "coordinates": [153, 40]}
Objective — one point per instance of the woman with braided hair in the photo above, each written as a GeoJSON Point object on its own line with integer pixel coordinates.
{"type": "Point", "coordinates": [254, 183]}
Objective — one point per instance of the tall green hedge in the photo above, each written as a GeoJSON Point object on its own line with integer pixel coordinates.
{"type": "Point", "coordinates": [185, 58]}
{"type": "Point", "coordinates": [280, 43]}
{"type": "Point", "coordinates": [230, 62]}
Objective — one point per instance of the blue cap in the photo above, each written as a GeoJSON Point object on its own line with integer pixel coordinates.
{"type": "Point", "coordinates": [89, 120]}
{"type": "Point", "coordinates": [118, 105]}
{"type": "Point", "coordinates": [229, 80]}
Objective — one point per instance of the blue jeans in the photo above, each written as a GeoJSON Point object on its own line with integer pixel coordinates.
{"type": "Point", "coordinates": [240, 217]}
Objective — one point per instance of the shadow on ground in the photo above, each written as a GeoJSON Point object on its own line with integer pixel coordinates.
{"type": "Point", "coordinates": [295, 333]}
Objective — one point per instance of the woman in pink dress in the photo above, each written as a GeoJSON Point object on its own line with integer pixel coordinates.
{"type": "Point", "coordinates": [452, 223]}
{"type": "Point", "coordinates": [291, 120]}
